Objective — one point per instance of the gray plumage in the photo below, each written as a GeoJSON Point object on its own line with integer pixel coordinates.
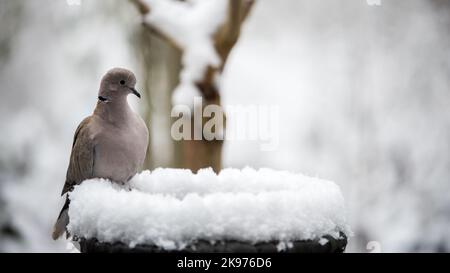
{"type": "Point", "coordinates": [111, 143]}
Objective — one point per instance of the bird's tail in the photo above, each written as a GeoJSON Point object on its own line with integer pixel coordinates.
{"type": "Point", "coordinates": [63, 219]}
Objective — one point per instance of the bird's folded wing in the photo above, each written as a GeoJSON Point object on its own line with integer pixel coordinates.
{"type": "Point", "coordinates": [81, 165]}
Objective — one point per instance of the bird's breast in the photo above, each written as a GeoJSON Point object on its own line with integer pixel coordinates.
{"type": "Point", "coordinates": [119, 153]}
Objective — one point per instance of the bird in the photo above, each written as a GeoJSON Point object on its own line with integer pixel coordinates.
{"type": "Point", "coordinates": [111, 143]}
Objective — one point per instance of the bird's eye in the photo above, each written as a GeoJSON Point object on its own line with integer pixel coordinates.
{"type": "Point", "coordinates": [122, 82]}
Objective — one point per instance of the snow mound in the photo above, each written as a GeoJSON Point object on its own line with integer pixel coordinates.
{"type": "Point", "coordinates": [174, 207]}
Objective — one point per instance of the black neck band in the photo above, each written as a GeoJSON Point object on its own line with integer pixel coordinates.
{"type": "Point", "coordinates": [100, 98]}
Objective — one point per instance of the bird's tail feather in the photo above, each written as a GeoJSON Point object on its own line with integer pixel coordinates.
{"type": "Point", "coordinates": [63, 219]}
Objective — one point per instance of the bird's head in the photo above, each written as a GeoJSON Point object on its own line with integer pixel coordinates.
{"type": "Point", "coordinates": [116, 83]}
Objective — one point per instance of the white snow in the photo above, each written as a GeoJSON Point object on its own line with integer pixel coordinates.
{"type": "Point", "coordinates": [191, 25]}
{"type": "Point", "coordinates": [323, 241]}
{"type": "Point", "coordinates": [173, 207]}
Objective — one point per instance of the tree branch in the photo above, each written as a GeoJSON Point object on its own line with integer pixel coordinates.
{"type": "Point", "coordinates": [247, 6]}
{"type": "Point", "coordinates": [226, 37]}
{"type": "Point", "coordinates": [141, 6]}
{"type": "Point", "coordinates": [144, 9]}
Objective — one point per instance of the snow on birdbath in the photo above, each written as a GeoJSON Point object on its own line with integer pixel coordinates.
{"type": "Point", "coordinates": [172, 208]}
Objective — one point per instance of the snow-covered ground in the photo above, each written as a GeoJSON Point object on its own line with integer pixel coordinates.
{"type": "Point", "coordinates": [172, 207]}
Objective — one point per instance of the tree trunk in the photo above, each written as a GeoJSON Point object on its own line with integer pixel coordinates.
{"type": "Point", "coordinates": [161, 63]}
{"type": "Point", "coordinates": [160, 66]}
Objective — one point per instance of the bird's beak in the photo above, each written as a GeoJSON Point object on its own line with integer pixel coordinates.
{"type": "Point", "coordinates": [135, 92]}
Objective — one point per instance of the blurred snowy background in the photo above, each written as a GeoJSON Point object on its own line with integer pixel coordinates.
{"type": "Point", "coordinates": [364, 96]}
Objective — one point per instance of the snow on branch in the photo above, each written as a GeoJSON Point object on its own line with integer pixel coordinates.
{"type": "Point", "coordinates": [172, 208]}
{"type": "Point", "coordinates": [191, 26]}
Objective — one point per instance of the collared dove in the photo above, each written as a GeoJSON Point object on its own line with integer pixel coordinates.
{"type": "Point", "coordinates": [111, 143]}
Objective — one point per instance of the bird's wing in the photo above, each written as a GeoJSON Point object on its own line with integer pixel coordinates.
{"type": "Point", "coordinates": [81, 165]}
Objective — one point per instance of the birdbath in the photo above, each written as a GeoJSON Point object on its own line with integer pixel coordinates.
{"type": "Point", "coordinates": [174, 210]}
